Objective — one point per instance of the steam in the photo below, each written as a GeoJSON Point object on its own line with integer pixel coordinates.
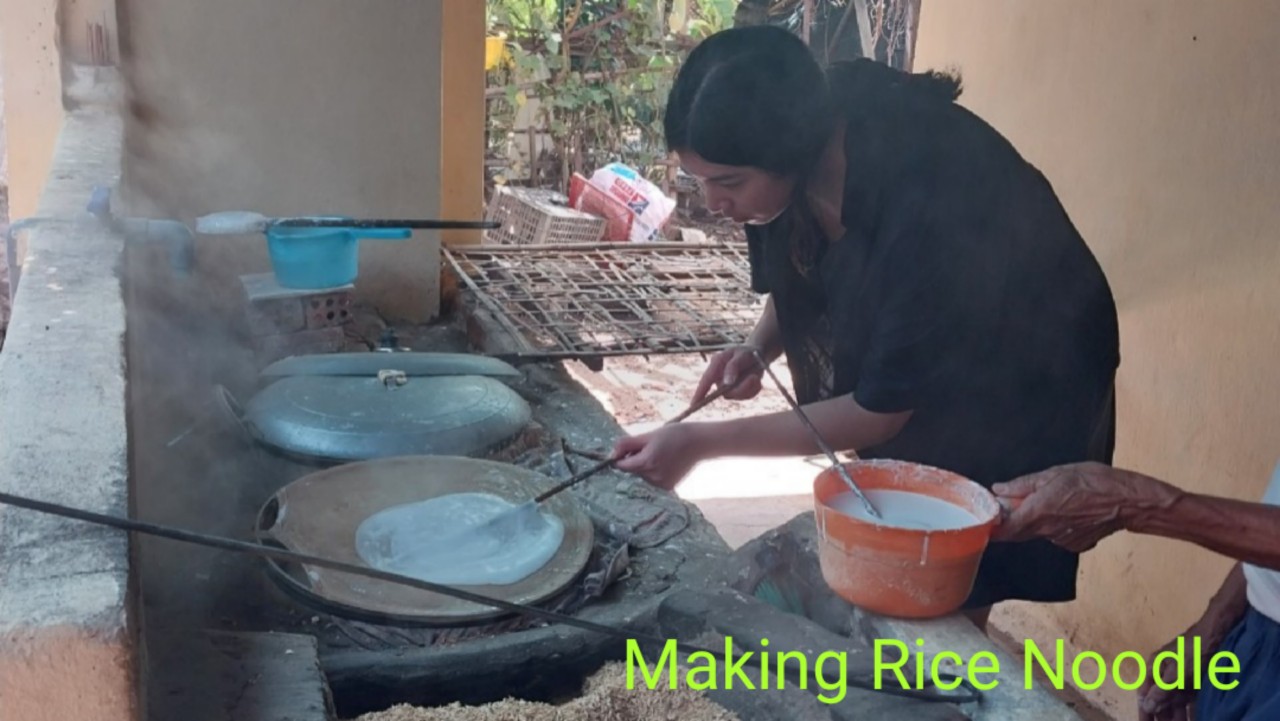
{"type": "Point", "coordinates": [185, 337]}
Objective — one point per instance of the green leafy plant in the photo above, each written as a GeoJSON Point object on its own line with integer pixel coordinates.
{"type": "Point", "coordinates": [599, 71]}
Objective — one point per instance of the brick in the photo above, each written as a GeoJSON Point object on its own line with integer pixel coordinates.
{"type": "Point", "coordinates": [330, 309]}
{"type": "Point", "coordinates": [271, 309]}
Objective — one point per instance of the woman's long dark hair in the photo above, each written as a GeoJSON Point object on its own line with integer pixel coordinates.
{"type": "Point", "coordinates": [750, 96]}
{"type": "Point", "coordinates": [755, 96]}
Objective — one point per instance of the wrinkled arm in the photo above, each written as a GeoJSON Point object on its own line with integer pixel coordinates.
{"type": "Point", "coordinates": [1077, 505]}
{"type": "Point", "coordinates": [1248, 532]}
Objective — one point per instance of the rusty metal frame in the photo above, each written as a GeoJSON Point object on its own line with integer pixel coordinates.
{"type": "Point", "coordinates": [592, 301]}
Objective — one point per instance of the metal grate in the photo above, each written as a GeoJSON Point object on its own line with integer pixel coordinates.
{"type": "Point", "coordinates": [613, 299]}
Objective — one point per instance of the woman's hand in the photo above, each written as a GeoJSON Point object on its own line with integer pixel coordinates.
{"type": "Point", "coordinates": [729, 367]}
{"type": "Point", "coordinates": [665, 456]}
{"type": "Point", "coordinates": [1078, 505]}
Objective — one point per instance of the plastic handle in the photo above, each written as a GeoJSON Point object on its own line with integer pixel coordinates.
{"type": "Point", "coordinates": [382, 233]}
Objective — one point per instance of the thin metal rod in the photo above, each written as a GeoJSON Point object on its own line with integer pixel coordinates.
{"type": "Point", "coordinates": [817, 437]}
{"type": "Point", "coordinates": [608, 462]}
{"type": "Point", "coordinates": [257, 549]}
{"type": "Point", "coordinates": [254, 549]}
{"type": "Point", "coordinates": [385, 223]}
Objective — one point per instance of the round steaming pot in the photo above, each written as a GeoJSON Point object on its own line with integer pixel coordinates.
{"type": "Point", "coordinates": [338, 419]}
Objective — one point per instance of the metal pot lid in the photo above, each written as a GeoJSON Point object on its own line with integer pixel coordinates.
{"type": "Point", "coordinates": [346, 418]}
{"type": "Point", "coordinates": [412, 364]}
{"type": "Point", "coordinates": [319, 514]}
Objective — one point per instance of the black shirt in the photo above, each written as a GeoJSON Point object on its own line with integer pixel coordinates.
{"type": "Point", "coordinates": [960, 291]}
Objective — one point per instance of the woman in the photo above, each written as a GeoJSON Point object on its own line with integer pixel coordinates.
{"type": "Point", "coordinates": [934, 302]}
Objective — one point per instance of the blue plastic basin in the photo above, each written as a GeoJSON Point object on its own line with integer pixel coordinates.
{"type": "Point", "coordinates": [317, 258]}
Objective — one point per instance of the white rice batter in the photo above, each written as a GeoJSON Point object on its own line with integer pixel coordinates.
{"type": "Point", "coordinates": [903, 509]}
{"type": "Point", "coordinates": [428, 540]}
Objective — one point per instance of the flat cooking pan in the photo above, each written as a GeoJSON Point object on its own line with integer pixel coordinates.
{"type": "Point", "coordinates": [319, 513]}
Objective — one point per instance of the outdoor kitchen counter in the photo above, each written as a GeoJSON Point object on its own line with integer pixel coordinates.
{"type": "Point", "coordinates": [1011, 699]}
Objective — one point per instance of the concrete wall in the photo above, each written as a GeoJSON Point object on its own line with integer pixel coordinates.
{"type": "Point", "coordinates": [80, 21]}
{"type": "Point", "coordinates": [1158, 122]}
{"type": "Point", "coordinates": [67, 613]}
{"type": "Point", "coordinates": [290, 107]}
{"type": "Point", "coordinates": [33, 110]}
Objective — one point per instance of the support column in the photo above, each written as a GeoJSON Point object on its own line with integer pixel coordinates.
{"type": "Point", "coordinates": [463, 117]}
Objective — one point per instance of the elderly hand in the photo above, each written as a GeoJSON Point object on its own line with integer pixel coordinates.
{"type": "Point", "coordinates": [1157, 704]}
{"type": "Point", "coordinates": [1076, 506]}
{"type": "Point", "coordinates": [665, 456]}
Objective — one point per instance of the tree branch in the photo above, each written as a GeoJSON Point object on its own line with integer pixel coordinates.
{"type": "Point", "coordinates": [865, 41]}
{"type": "Point", "coordinates": [585, 30]}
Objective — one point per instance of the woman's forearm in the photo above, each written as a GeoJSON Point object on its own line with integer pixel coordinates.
{"type": "Point", "coordinates": [1248, 532]}
{"type": "Point", "coordinates": [843, 424]}
{"type": "Point", "coordinates": [767, 336]}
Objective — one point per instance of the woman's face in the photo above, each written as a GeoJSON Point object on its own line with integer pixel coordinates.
{"type": "Point", "coordinates": [745, 194]}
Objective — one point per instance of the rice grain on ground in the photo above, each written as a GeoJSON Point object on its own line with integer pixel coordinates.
{"type": "Point", "coordinates": [605, 697]}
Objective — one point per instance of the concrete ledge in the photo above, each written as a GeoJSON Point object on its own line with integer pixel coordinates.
{"type": "Point", "coordinates": [66, 638]}
{"type": "Point", "coordinates": [1011, 700]}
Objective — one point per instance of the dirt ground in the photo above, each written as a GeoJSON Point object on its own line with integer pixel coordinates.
{"type": "Point", "coordinates": [642, 392]}
{"type": "Point", "coordinates": [742, 497]}
{"type": "Point", "coordinates": [605, 698]}
{"type": "Point", "coordinates": [698, 218]}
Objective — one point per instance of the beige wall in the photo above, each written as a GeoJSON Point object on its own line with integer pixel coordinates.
{"type": "Point", "coordinates": [79, 19]}
{"type": "Point", "coordinates": [291, 107]}
{"type": "Point", "coordinates": [33, 110]}
{"type": "Point", "coordinates": [1158, 122]}
{"type": "Point", "coordinates": [463, 122]}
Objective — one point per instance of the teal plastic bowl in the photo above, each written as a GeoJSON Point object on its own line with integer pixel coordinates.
{"type": "Point", "coordinates": [314, 258]}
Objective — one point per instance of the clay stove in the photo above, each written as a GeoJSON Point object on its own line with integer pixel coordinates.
{"type": "Point", "coordinates": [320, 514]}
{"type": "Point", "coordinates": [654, 565]}
{"type": "Point", "coordinates": [636, 543]}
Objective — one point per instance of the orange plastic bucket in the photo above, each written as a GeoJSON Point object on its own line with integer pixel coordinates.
{"type": "Point", "coordinates": [895, 571]}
